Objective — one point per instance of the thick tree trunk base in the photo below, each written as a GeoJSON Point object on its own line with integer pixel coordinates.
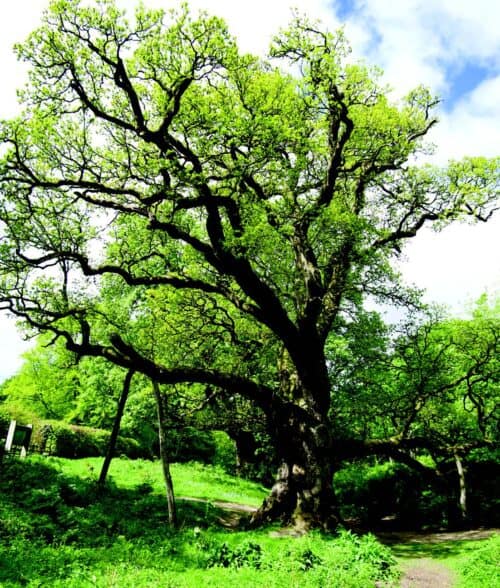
{"type": "Point", "coordinates": [293, 505]}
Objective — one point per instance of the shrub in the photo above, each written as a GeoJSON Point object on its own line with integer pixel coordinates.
{"type": "Point", "coordinates": [225, 452]}
{"type": "Point", "coordinates": [481, 568]}
{"type": "Point", "coordinates": [72, 441]}
{"type": "Point", "coordinates": [312, 560]}
{"type": "Point", "coordinates": [247, 554]}
{"type": "Point", "coordinates": [371, 491]}
{"type": "Point", "coordinates": [190, 444]}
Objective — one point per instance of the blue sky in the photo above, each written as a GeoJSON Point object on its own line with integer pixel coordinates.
{"type": "Point", "coordinates": [452, 46]}
{"type": "Point", "coordinates": [442, 27]}
{"type": "Point", "coordinates": [344, 9]}
{"type": "Point", "coordinates": [462, 79]}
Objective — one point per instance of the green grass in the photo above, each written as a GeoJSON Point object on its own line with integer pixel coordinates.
{"type": "Point", "coordinates": [193, 479]}
{"type": "Point", "coordinates": [194, 559]}
{"type": "Point", "coordinates": [474, 563]}
{"type": "Point", "coordinates": [482, 568]}
{"type": "Point", "coordinates": [57, 530]}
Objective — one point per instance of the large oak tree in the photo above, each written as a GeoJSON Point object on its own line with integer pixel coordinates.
{"type": "Point", "coordinates": [239, 207]}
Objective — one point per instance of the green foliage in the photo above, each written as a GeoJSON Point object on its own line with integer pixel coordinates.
{"type": "Point", "coordinates": [246, 554]}
{"type": "Point", "coordinates": [64, 440]}
{"type": "Point", "coordinates": [433, 377]}
{"type": "Point", "coordinates": [369, 492]}
{"type": "Point", "coordinates": [140, 420]}
{"type": "Point", "coordinates": [190, 444]}
{"type": "Point", "coordinates": [318, 560]}
{"type": "Point", "coordinates": [225, 452]}
{"type": "Point", "coordinates": [96, 395]}
{"type": "Point", "coordinates": [57, 530]}
{"type": "Point", "coordinates": [46, 385]}
{"type": "Point", "coordinates": [481, 568]}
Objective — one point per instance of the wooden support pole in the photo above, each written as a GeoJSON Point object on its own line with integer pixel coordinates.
{"type": "Point", "coordinates": [10, 436]}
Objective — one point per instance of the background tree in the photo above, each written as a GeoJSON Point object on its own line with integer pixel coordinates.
{"type": "Point", "coordinates": [46, 385]}
{"type": "Point", "coordinates": [426, 393]}
{"type": "Point", "coordinates": [256, 202]}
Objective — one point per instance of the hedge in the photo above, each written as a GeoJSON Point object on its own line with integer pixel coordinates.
{"type": "Point", "coordinates": [73, 441]}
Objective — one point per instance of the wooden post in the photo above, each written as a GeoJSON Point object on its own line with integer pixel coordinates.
{"type": "Point", "coordinates": [116, 429]}
{"type": "Point", "coordinates": [10, 436]}
{"type": "Point", "coordinates": [18, 438]}
{"type": "Point", "coordinates": [169, 487]}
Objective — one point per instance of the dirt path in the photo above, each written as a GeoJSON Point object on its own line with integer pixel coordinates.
{"type": "Point", "coordinates": [426, 574]}
{"type": "Point", "coordinates": [233, 511]}
{"type": "Point", "coordinates": [420, 572]}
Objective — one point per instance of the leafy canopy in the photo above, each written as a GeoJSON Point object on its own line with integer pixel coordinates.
{"type": "Point", "coordinates": [232, 208]}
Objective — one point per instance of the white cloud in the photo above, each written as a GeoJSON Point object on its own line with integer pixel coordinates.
{"type": "Point", "coordinates": [414, 41]}
{"type": "Point", "coordinates": [418, 41]}
{"type": "Point", "coordinates": [472, 28]}
{"type": "Point", "coordinates": [11, 348]}
{"type": "Point", "coordinates": [254, 23]}
{"type": "Point", "coordinates": [456, 265]}
{"type": "Point", "coordinates": [463, 261]}
{"type": "Point", "coordinates": [472, 127]}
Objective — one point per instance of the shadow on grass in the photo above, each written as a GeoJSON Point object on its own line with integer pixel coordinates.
{"type": "Point", "coordinates": [38, 501]}
{"type": "Point", "coordinates": [434, 550]}
{"type": "Point", "coordinates": [59, 530]}
{"type": "Point", "coordinates": [56, 528]}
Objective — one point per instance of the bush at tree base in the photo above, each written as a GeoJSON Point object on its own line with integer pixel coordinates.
{"type": "Point", "coordinates": [369, 491]}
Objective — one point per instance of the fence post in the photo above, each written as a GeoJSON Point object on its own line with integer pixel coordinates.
{"type": "Point", "coordinates": [10, 436]}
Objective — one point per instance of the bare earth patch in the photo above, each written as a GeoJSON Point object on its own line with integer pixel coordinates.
{"type": "Point", "coordinates": [420, 573]}
{"type": "Point", "coordinates": [426, 573]}
{"type": "Point", "coordinates": [234, 511]}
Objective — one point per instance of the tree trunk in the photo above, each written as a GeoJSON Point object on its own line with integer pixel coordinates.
{"type": "Point", "coordinates": [245, 449]}
{"type": "Point", "coordinates": [462, 495]}
{"type": "Point", "coordinates": [169, 487]}
{"type": "Point", "coordinates": [302, 494]}
{"type": "Point", "coordinates": [116, 429]}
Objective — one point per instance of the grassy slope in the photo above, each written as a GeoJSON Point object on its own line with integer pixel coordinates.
{"type": "Point", "coordinates": [56, 530]}
{"type": "Point", "coordinates": [194, 480]}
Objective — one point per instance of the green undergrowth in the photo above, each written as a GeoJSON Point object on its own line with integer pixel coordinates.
{"type": "Point", "coordinates": [475, 563]}
{"type": "Point", "coordinates": [482, 567]}
{"type": "Point", "coordinates": [56, 529]}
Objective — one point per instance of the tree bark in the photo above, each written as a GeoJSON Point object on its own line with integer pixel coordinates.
{"type": "Point", "coordinates": [116, 429]}
{"type": "Point", "coordinates": [245, 449]}
{"type": "Point", "coordinates": [302, 494]}
{"type": "Point", "coordinates": [462, 494]}
{"type": "Point", "coordinates": [169, 487]}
